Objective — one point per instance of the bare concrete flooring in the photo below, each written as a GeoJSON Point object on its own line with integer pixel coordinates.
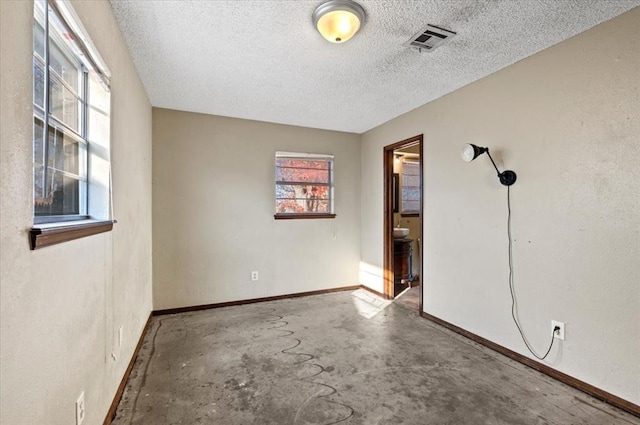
{"type": "Point", "coordinates": [410, 298]}
{"type": "Point", "coordinates": [341, 358]}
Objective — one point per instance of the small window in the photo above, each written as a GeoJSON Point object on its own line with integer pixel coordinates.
{"type": "Point", "coordinates": [71, 108]}
{"type": "Point", "coordinates": [304, 185]}
{"type": "Point", "coordinates": [410, 187]}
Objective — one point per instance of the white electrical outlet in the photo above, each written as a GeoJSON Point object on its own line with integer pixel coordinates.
{"type": "Point", "coordinates": [80, 412]}
{"type": "Point", "coordinates": [559, 334]}
{"type": "Point", "coordinates": [120, 334]}
{"type": "Point", "coordinates": [254, 276]}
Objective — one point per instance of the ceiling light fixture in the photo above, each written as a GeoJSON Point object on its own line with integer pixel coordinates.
{"type": "Point", "coordinates": [338, 20]}
{"type": "Point", "coordinates": [471, 152]}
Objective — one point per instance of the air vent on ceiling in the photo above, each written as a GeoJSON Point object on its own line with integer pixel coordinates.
{"type": "Point", "coordinates": [430, 38]}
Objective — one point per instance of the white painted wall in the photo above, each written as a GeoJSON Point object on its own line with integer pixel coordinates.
{"type": "Point", "coordinates": [213, 207]}
{"type": "Point", "coordinates": [62, 305]}
{"type": "Point", "coordinates": [567, 120]}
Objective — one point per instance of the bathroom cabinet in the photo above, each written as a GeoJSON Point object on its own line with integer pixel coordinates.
{"type": "Point", "coordinates": [402, 253]}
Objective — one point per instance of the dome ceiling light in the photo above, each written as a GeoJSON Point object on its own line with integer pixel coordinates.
{"type": "Point", "coordinates": [338, 20]}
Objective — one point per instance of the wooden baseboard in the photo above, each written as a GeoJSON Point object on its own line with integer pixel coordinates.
{"type": "Point", "coordinates": [598, 393]}
{"type": "Point", "coordinates": [251, 301]}
{"type": "Point", "coordinates": [373, 291]}
{"type": "Point", "coordinates": [111, 413]}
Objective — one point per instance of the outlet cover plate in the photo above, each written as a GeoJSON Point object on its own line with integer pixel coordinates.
{"type": "Point", "coordinates": [559, 334]}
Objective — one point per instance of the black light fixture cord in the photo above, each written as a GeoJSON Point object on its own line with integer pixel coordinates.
{"type": "Point", "coordinates": [513, 295]}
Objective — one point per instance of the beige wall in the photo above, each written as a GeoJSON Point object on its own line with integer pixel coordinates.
{"type": "Point", "coordinates": [61, 306]}
{"type": "Point", "coordinates": [567, 120]}
{"type": "Point", "coordinates": [213, 206]}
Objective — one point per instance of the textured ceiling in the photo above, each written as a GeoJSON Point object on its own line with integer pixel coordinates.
{"type": "Point", "coordinates": [263, 60]}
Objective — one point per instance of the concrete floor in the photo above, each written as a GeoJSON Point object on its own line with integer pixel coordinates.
{"type": "Point", "coordinates": [410, 298]}
{"type": "Point", "coordinates": [347, 358]}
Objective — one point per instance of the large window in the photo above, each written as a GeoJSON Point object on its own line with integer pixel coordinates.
{"type": "Point", "coordinates": [71, 107]}
{"type": "Point", "coordinates": [304, 185]}
{"type": "Point", "coordinates": [410, 187]}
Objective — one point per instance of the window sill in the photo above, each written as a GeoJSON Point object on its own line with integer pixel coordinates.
{"type": "Point", "coordinates": [410, 215]}
{"type": "Point", "coordinates": [302, 216]}
{"type": "Point", "coordinates": [42, 235]}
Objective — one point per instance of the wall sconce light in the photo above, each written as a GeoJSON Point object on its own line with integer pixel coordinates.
{"type": "Point", "coordinates": [338, 20]}
{"type": "Point", "coordinates": [471, 152]}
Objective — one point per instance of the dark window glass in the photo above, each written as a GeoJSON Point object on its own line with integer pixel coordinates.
{"type": "Point", "coordinates": [63, 151]}
{"type": "Point", "coordinates": [63, 196]}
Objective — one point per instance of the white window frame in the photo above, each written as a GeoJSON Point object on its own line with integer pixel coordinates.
{"type": "Point", "coordinates": [330, 160]}
{"type": "Point", "coordinates": [81, 52]}
{"type": "Point", "coordinates": [414, 163]}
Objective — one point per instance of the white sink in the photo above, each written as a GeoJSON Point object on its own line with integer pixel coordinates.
{"type": "Point", "coordinates": [400, 232]}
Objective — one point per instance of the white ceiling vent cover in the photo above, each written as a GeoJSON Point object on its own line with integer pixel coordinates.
{"type": "Point", "coordinates": [430, 38]}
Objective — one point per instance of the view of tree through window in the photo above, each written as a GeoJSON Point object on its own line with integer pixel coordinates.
{"type": "Point", "coordinates": [303, 184]}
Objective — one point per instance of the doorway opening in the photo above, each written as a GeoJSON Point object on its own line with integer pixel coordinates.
{"type": "Point", "coordinates": [403, 220]}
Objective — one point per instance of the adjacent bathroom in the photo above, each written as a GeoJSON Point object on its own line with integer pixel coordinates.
{"type": "Point", "coordinates": [406, 219]}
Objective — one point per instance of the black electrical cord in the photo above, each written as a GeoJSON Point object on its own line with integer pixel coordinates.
{"type": "Point", "coordinates": [513, 295]}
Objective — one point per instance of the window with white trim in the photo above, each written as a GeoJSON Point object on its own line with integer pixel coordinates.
{"type": "Point", "coordinates": [410, 187]}
{"type": "Point", "coordinates": [71, 119]}
{"type": "Point", "coordinates": [304, 185]}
